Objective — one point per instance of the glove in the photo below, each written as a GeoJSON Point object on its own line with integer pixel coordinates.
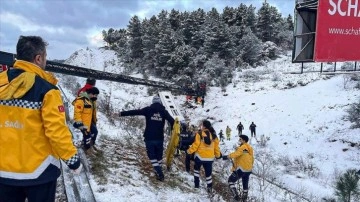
{"type": "Point", "coordinates": [84, 131]}
{"type": "Point", "coordinates": [219, 156]}
{"type": "Point", "coordinates": [225, 157]}
{"type": "Point", "coordinates": [78, 170]}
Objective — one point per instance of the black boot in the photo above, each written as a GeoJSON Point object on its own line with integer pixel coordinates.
{"type": "Point", "coordinates": [160, 177]}
{"type": "Point", "coordinates": [235, 194]}
{"type": "Point", "coordinates": [244, 196]}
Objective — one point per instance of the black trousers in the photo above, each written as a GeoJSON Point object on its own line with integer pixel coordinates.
{"type": "Point", "coordinates": [188, 158]}
{"type": "Point", "coordinates": [93, 132]}
{"type": "Point", "coordinates": [238, 174]}
{"type": "Point", "coordinates": [154, 149]}
{"type": "Point", "coordinates": [208, 171]}
{"type": "Point", "coordinates": [43, 192]}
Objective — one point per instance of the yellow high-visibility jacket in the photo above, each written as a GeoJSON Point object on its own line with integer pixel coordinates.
{"type": "Point", "coordinates": [202, 150]}
{"type": "Point", "coordinates": [228, 131]}
{"type": "Point", "coordinates": [84, 111]}
{"type": "Point", "coordinates": [243, 158]}
{"type": "Point", "coordinates": [33, 132]}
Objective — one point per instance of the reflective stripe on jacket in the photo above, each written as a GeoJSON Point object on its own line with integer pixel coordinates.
{"type": "Point", "coordinates": [33, 134]}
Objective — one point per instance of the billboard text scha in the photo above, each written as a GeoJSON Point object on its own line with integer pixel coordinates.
{"type": "Point", "coordinates": [338, 31]}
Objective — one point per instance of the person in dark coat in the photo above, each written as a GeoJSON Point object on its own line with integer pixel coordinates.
{"type": "Point", "coordinates": [240, 128]}
{"type": "Point", "coordinates": [155, 116]}
{"type": "Point", "coordinates": [187, 137]}
{"type": "Point", "coordinates": [221, 134]}
{"type": "Point", "coordinates": [252, 128]}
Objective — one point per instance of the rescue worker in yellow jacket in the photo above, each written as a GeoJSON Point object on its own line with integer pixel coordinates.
{"type": "Point", "coordinates": [206, 148]}
{"type": "Point", "coordinates": [228, 132]}
{"type": "Point", "coordinates": [85, 116]}
{"type": "Point", "coordinates": [243, 159]}
{"type": "Point", "coordinates": [33, 132]}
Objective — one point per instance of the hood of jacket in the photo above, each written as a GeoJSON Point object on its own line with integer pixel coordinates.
{"type": "Point", "coordinates": [157, 105]}
{"type": "Point", "coordinates": [20, 85]}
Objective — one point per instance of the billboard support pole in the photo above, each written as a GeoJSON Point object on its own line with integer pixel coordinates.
{"type": "Point", "coordinates": [321, 67]}
{"type": "Point", "coordinates": [302, 67]}
{"type": "Point", "coordinates": [355, 66]}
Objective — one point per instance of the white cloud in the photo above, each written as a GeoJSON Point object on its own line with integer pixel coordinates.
{"type": "Point", "coordinates": [95, 38]}
{"type": "Point", "coordinates": [26, 25]}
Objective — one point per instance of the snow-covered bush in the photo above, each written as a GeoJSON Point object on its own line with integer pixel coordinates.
{"type": "Point", "coordinates": [299, 164]}
{"type": "Point", "coordinates": [250, 76]}
{"type": "Point", "coordinates": [276, 76]}
{"type": "Point", "coordinates": [347, 66]}
{"type": "Point", "coordinates": [354, 115]}
{"type": "Point", "coordinates": [263, 142]}
{"type": "Point", "coordinates": [270, 50]}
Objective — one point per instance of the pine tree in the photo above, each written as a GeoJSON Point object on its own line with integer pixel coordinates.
{"type": "Point", "coordinates": [251, 47]}
{"type": "Point", "coordinates": [290, 23]}
{"type": "Point", "coordinates": [166, 45]}
{"type": "Point", "coordinates": [135, 41]}
{"type": "Point", "coordinates": [218, 39]}
{"type": "Point", "coordinates": [188, 27]}
{"type": "Point", "coordinates": [215, 69]}
{"type": "Point", "coordinates": [229, 16]}
{"type": "Point", "coordinates": [241, 17]}
{"type": "Point", "coordinates": [174, 19]}
{"type": "Point", "coordinates": [266, 28]}
{"type": "Point", "coordinates": [198, 32]}
{"type": "Point", "coordinates": [347, 188]}
{"type": "Point", "coordinates": [108, 37]}
{"type": "Point", "coordinates": [236, 35]}
{"type": "Point", "coordinates": [150, 39]}
{"type": "Point", "coordinates": [121, 42]}
{"type": "Point", "coordinates": [179, 60]}
{"type": "Point", "coordinates": [251, 18]}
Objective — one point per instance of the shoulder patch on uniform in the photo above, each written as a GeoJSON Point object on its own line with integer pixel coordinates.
{"type": "Point", "coordinates": [61, 108]}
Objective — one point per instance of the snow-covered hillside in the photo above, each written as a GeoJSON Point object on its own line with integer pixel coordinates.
{"type": "Point", "coordinates": [300, 116]}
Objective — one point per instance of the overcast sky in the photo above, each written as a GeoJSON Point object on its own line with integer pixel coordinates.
{"type": "Point", "coordinates": [69, 25]}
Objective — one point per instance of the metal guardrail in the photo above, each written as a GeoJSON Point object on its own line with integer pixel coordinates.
{"type": "Point", "coordinates": [77, 187]}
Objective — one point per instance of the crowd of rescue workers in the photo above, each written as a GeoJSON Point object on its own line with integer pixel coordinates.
{"type": "Point", "coordinates": [30, 154]}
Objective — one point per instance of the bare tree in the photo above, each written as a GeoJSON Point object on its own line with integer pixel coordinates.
{"type": "Point", "coordinates": [264, 170]}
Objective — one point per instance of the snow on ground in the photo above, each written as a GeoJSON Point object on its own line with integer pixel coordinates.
{"type": "Point", "coordinates": [301, 114]}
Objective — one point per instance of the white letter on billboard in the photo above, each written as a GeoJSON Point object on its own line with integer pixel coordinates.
{"type": "Point", "coordinates": [352, 6]}
{"type": "Point", "coordinates": [332, 12]}
{"type": "Point", "coordinates": [342, 13]}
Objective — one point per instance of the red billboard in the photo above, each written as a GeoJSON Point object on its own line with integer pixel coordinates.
{"type": "Point", "coordinates": [337, 31]}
